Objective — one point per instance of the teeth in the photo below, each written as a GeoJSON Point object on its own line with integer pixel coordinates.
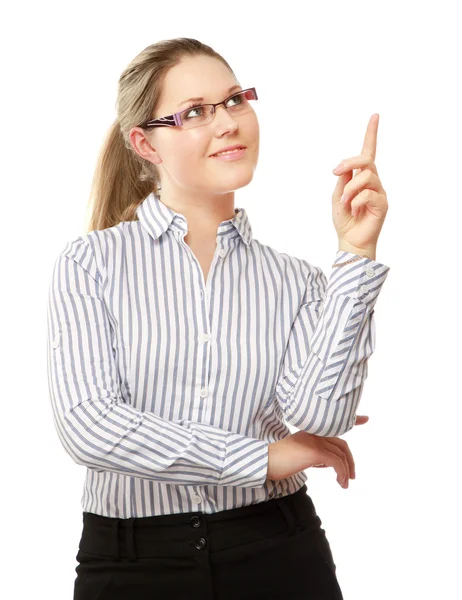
{"type": "Point", "coordinates": [228, 151]}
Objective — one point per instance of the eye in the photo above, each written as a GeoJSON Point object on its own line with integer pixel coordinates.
{"type": "Point", "coordinates": [237, 97]}
{"type": "Point", "coordinates": [187, 112]}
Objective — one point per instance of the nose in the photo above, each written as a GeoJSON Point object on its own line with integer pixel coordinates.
{"type": "Point", "coordinates": [231, 121]}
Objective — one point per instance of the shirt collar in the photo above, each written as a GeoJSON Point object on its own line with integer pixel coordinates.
{"type": "Point", "coordinates": [157, 217]}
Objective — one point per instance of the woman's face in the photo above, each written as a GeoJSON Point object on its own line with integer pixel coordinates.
{"type": "Point", "coordinates": [182, 156]}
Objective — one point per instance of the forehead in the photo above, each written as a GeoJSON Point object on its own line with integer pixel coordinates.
{"type": "Point", "coordinates": [194, 77]}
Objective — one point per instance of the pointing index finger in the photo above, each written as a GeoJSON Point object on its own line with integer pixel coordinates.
{"type": "Point", "coordinates": [370, 139]}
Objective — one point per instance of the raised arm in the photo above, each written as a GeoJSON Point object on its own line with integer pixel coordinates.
{"type": "Point", "coordinates": [333, 336]}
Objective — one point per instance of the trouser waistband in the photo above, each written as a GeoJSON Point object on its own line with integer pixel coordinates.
{"type": "Point", "coordinates": [182, 534]}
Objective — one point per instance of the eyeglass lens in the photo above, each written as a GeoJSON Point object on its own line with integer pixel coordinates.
{"type": "Point", "coordinates": [195, 116]}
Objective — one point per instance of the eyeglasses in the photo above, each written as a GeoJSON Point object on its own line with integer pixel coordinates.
{"type": "Point", "coordinates": [203, 114]}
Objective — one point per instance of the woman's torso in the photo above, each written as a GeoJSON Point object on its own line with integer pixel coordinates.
{"type": "Point", "coordinates": [194, 348]}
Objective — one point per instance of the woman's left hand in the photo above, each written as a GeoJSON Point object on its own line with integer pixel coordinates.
{"type": "Point", "coordinates": [360, 420]}
{"type": "Point", "coordinates": [359, 218]}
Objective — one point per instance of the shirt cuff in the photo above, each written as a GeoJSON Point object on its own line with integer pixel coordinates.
{"type": "Point", "coordinates": [246, 461]}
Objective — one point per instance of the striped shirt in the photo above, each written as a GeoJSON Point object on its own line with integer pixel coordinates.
{"type": "Point", "coordinates": [169, 388]}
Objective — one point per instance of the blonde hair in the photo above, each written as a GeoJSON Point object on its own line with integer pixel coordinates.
{"type": "Point", "coordinates": [123, 179]}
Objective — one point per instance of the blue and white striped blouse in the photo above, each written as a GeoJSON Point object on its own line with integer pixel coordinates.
{"type": "Point", "coordinates": [169, 388]}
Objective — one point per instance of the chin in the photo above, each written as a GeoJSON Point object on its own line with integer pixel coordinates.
{"type": "Point", "coordinates": [244, 177]}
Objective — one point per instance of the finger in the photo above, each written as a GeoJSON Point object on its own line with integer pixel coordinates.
{"type": "Point", "coordinates": [361, 419]}
{"type": "Point", "coordinates": [365, 179]}
{"type": "Point", "coordinates": [338, 464]}
{"type": "Point", "coordinates": [331, 445]}
{"type": "Point", "coordinates": [370, 139]}
{"type": "Point", "coordinates": [343, 447]}
{"type": "Point", "coordinates": [332, 459]}
{"type": "Point", "coordinates": [355, 162]}
{"type": "Point", "coordinates": [340, 186]}
{"type": "Point", "coordinates": [366, 197]}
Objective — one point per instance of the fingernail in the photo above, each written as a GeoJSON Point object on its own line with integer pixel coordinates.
{"type": "Point", "coordinates": [343, 198]}
{"type": "Point", "coordinates": [338, 168]}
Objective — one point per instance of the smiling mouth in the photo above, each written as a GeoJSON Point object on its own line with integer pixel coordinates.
{"type": "Point", "coordinates": [229, 151]}
{"type": "Point", "coordinates": [231, 156]}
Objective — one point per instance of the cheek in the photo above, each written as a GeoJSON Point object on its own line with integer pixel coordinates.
{"type": "Point", "coordinates": [188, 153]}
{"type": "Point", "coordinates": [255, 125]}
{"type": "Point", "coordinates": [251, 131]}
{"type": "Point", "coordinates": [197, 143]}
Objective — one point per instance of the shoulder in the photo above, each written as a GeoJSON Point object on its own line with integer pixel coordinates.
{"type": "Point", "coordinates": [90, 250]}
{"type": "Point", "coordinates": [104, 240]}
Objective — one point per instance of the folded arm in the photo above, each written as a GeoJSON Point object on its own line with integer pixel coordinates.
{"type": "Point", "coordinates": [95, 424]}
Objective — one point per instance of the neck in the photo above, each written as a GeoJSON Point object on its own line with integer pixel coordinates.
{"type": "Point", "coordinates": [203, 216]}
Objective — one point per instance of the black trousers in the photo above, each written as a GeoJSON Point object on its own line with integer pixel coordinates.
{"type": "Point", "coordinates": [271, 550]}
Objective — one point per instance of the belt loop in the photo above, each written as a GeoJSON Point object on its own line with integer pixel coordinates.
{"type": "Point", "coordinates": [115, 538]}
{"type": "Point", "coordinates": [131, 539]}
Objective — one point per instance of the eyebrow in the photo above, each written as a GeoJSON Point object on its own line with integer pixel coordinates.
{"type": "Point", "coordinates": [234, 87]}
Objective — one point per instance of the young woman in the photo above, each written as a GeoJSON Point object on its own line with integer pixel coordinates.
{"type": "Point", "coordinates": [180, 347]}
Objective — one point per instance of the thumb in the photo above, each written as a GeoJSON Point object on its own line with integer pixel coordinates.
{"type": "Point", "coordinates": [342, 180]}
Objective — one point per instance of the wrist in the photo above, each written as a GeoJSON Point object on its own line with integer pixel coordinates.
{"type": "Point", "coordinates": [368, 251]}
{"type": "Point", "coordinates": [273, 467]}
{"type": "Point", "coordinates": [271, 450]}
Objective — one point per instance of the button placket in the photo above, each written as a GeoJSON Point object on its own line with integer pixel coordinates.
{"type": "Point", "coordinates": [202, 337]}
{"type": "Point", "coordinates": [198, 522]}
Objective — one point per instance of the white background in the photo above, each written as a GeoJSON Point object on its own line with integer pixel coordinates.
{"type": "Point", "coordinates": [321, 70]}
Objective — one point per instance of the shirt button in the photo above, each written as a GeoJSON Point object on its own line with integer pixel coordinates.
{"type": "Point", "coordinates": [204, 392]}
{"type": "Point", "coordinates": [370, 272]}
{"type": "Point", "coordinates": [202, 294]}
{"type": "Point", "coordinates": [222, 252]}
{"type": "Point", "coordinates": [363, 289]}
{"type": "Point", "coordinates": [206, 337]}
{"type": "Point", "coordinates": [197, 499]}
{"type": "Point", "coordinates": [55, 341]}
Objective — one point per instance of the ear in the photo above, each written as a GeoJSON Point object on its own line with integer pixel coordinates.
{"type": "Point", "coordinates": [141, 144]}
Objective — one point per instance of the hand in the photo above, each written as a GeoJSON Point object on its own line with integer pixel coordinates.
{"type": "Point", "coordinates": [302, 450]}
{"type": "Point", "coordinates": [360, 420]}
{"type": "Point", "coordinates": [359, 220]}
